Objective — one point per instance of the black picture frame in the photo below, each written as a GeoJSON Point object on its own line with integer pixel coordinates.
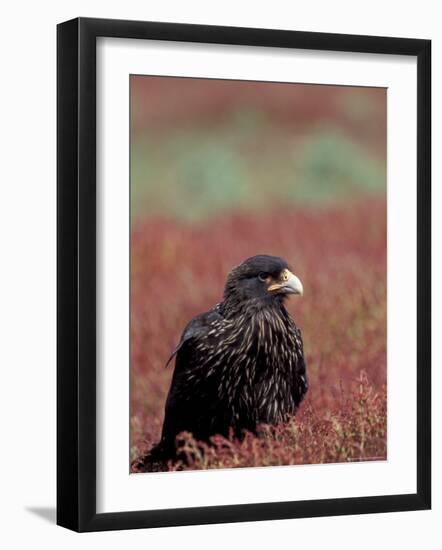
{"type": "Point", "coordinates": [77, 287]}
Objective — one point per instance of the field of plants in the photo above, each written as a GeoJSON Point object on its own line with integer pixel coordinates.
{"type": "Point", "coordinates": [213, 185]}
{"type": "Point", "coordinates": [179, 271]}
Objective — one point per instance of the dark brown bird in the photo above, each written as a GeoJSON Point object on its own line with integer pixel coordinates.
{"type": "Point", "coordinates": [241, 363]}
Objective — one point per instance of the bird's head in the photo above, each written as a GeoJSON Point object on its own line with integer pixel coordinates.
{"type": "Point", "coordinates": [261, 280]}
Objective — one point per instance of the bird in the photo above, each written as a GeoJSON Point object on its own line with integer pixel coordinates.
{"type": "Point", "coordinates": [240, 364]}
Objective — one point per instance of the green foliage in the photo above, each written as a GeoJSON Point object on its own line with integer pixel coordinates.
{"type": "Point", "coordinates": [332, 167]}
{"type": "Point", "coordinates": [247, 164]}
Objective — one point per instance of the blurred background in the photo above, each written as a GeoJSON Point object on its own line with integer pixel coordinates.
{"type": "Point", "coordinates": [224, 170]}
{"type": "Point", "coordinates": [202, 146]}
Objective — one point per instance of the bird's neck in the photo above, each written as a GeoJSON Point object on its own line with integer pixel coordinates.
{"type": "Point", "coordinates": [251, 309]}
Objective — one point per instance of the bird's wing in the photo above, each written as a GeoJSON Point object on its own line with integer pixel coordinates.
{"type": "Point", "coordinates": [197, 328]}
{"type": "Point", "coordinates": [191, 393]}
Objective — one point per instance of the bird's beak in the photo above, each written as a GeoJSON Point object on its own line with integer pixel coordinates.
{"type": "Point", "coordinates": [288, 284]}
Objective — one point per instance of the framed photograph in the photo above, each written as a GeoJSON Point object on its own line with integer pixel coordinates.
{"type": "Point", "coordinates": [243, 274]}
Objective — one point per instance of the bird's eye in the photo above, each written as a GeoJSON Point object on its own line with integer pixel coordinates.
{"type": "Point", "coordinates": [262, 276]}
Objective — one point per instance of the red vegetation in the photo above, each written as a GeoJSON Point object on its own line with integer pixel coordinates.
{"type": "Point", "coordinates": [163, 103]}
{"type": "Point", "coordinates": [178, 270]}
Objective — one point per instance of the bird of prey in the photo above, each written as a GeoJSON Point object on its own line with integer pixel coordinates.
{"type": "Point", "coordinates": [241, 363]}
